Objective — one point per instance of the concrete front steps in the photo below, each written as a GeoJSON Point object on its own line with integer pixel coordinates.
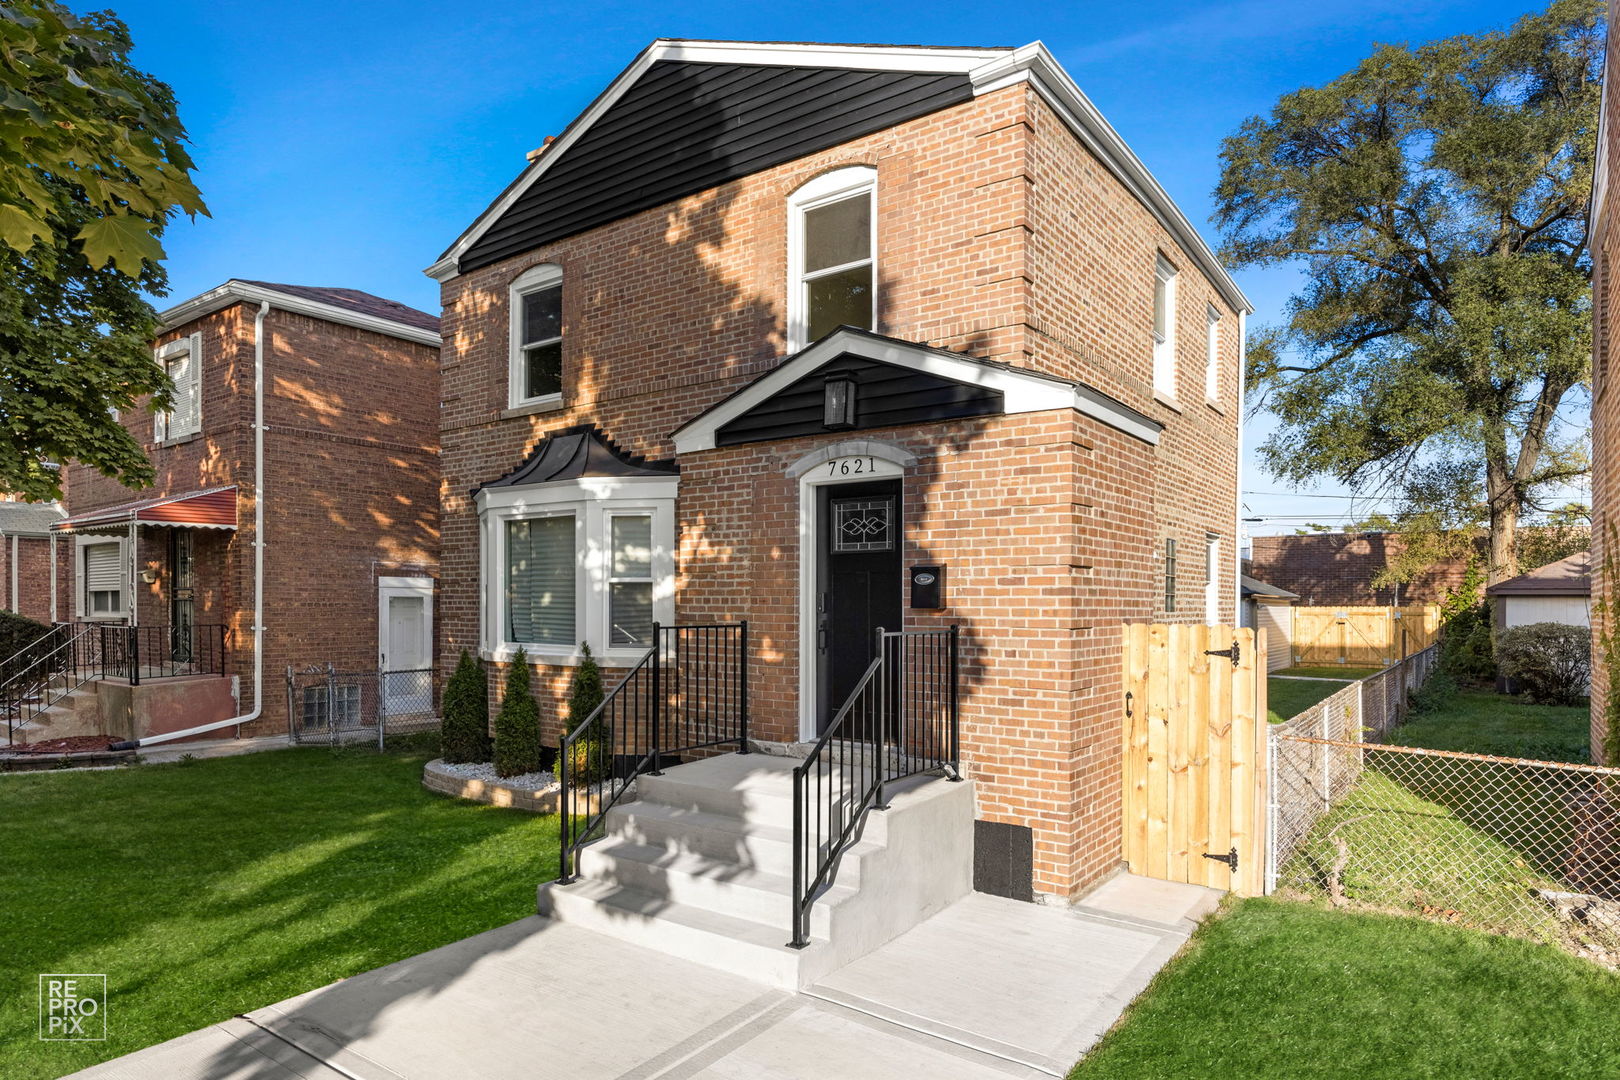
{"type": "Point", "coordinates": [700, 866]}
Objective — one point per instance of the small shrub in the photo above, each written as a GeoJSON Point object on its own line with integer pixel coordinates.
{"type": "Point", "coordinates": [1439, 691]}
{"type": "Point", "coordinates": [1551, 662]}
{"type": "Point", "coordinates": [588, 760]}
{"type": "Point", "coordinates": [465, 733]}
{"type": "Point", "coordinates": [517, 725]}
{"type": "Point", "coordinates": [1466, 653]}
{"type": "Point", "coordinates": [17, 632]}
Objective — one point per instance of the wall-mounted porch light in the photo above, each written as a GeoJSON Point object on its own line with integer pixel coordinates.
{"type": "Point", "coordinates": [838, 402]}
{"type": "Point", "coordinates": [149, 576]}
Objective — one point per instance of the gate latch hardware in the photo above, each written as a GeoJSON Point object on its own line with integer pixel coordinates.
{"type": "Point", "coordinates": [1230, 858]}
{"type": "Point", "coordinates": [1231, 653]}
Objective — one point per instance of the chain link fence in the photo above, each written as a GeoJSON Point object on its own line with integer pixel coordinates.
{"type": "Point", "coordinates": [1515, 846]}
{"type": "Point", "coordinates": [327, 707]}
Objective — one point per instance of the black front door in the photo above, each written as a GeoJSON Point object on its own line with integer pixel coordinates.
{"type": "Point", "coordinates": [182, 594]}
{"type": "Point", "coordinates": [860, 583]}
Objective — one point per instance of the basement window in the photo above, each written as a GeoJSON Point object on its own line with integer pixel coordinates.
{"type": "Point", "coordinates": [1169, 575]}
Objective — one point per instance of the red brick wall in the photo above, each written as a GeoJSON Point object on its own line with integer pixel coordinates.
{"type": "Point", "coordinates": [998, 236]}
{"type": "Point", "coordinates": [1605, 400]}
{"type": "Point", "coordinates": [351, 463]}
{"type": "Point", "coordinates": [33, 577]}
{"type": "Point", "coordinates": [1338, 568]}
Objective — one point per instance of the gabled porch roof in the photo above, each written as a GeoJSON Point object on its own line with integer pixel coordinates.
{"type": "Point", "coordinates": [207, 508]}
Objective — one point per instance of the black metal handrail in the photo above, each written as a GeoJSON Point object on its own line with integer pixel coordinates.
{"type": "Point", "coordinates": [55, 665]}
{"type": "Point", "coordinates": [689, 691]}
{"type": "Point", "coordinates": [901, 720]}
{"type": "Point", "coordinates": [135, 653]}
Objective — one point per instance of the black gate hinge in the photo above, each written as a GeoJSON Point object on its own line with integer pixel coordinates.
{"type": "Point", "coordinates": [1231, 653]}
{"type": "Point", "coordinates": [1230, 858]}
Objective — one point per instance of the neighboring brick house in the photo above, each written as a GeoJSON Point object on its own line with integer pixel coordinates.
{"type": "Point", "coordinates": [350, 467]}
{"type": "Point", "coordinates": [748, 271]}
{"type": "Point", "coordinates": [25, 557]}
{"type": "Point", "coordinates": [1339, 569]}
{"type": "Point", "coordinates": [1605, 401]}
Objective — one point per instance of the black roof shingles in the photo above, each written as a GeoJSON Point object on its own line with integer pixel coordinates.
{"type": "Point", "coordinates": [362, 303]}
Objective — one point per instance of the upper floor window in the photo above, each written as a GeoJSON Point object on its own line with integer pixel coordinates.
{"type": "Point", "coordinates": [181, 361]}
{"type": "Point", "coordinates": [1164, 328]}
{"type": "Point", "coordinates": [1212, 359]}
{"type": "Point", "coordinates": [832, 255]}
{"type": "Point", "coordinates": [1212, 579]}
{"type": "Point", "coordinates": [535, 301]}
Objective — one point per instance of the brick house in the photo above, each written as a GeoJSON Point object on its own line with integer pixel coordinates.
{"type": "Point", "coordinates": [25, 557]}
{"type": "Point", "coordinates": [1338, 569]}
{"type": "Point", "coordinates": [927, 294]}
{"type": "Point", "coordinates": [1605, 402]}
{"type": "Point", "coordinates": [349, 463]}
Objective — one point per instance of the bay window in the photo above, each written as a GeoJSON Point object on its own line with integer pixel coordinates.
{"type": "Point", "coordinates": [574, 562]}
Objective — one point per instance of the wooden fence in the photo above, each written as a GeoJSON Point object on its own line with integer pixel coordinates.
{"type": "Point", "coordinates": [1194, 724]}
{"type": "Point", "coordinates": [1362, 636]}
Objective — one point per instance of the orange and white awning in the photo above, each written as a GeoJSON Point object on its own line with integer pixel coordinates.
{"type": "Point", "coordinates": [210, 508]}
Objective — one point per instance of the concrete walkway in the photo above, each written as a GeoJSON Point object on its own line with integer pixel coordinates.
{"type": "Point", "coordinates": [987, 989]}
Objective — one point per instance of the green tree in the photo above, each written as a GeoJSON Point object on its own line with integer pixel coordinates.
{"type": "Point", "coordinates": [1436, 196]}
{"type": "Point", "coordinates": [517, 725]}
{"type": "Point", "coordinates": [92, 166]}
{"type": "Point", "coordinates": [464, 735]}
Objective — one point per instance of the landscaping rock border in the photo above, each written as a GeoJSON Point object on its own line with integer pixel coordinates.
{"type": "Point", "coordinates": [36, 762]}
{"type": "Point", "coordinates": [437, 777]}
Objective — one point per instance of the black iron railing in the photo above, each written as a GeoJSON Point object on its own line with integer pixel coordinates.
{"type": "Point", "coordinates": [901, 720]}
{"type": "Point", "coordinates": [688, 692]}
{"type": "Point", "coordinates": [138, 653]}
{"type": "Point", "coordinates": [46, 671]}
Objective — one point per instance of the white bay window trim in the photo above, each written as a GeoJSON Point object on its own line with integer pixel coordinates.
{"type": "Point", "coordinates": [824, 190]}
{"type": "Point", "coordinates": [533, 280]}
{"type": "Point", "coordinates": [593, 502]}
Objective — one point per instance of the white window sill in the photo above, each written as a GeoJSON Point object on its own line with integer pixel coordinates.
{"type": "Point", "coordinates": [180, 440]}
{"type": "Point", "coordinates": [617, 658]}
{"type": "Point", "coordinates": [549, 403]}
{"type": "Point", "coordinates": [1166, 400]}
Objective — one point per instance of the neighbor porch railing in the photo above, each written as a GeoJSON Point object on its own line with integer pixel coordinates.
{"type": "Point", "coordinates": [137, 653]}
{"type": "Point", "coordinates": [688, 692]}
{"type": "Point", "coordinates": [46, 671]}
{"type": "Point", "coordinates": [901, 720]}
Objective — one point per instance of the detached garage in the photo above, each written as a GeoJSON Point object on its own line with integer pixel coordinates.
{"type": "Point", "coordinates": [1559, 592]}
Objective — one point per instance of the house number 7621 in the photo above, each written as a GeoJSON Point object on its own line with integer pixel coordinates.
{"type": "Point", "coordinates": [851, 466]}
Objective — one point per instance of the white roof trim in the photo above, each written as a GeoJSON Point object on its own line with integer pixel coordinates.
{"type": "Point", "coordinates": [1036, 65]}
{"type": "Point", "coordinates": [989, 70]}
{"type": "Point", "coordinates": [1022, 391]}
{"type": "Point", "coordinates": [237, 292]}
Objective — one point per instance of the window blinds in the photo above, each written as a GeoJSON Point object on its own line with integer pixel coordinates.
{"type": "Point", "coordinates": [103, 570]}
{"type": "Point", "coordinates": [540, 581]}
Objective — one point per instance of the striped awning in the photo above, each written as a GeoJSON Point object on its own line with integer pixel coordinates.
{"type": "Point", "coordinates": [210, 508]}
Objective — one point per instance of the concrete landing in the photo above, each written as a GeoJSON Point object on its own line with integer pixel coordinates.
{"type": "Point", "coordinates": [1144, 899]}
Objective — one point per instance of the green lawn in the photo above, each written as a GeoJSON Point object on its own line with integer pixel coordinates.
{"type": "Point", "coordinates": [1329, 671]}
{"type": "Point", "coordinates": [1483, 722]}
{"type": "Point", "coordinates": [209, 888]}
{"type": "Point", "coordinates": [1287, 698]}
{"type": "Point", "coordinates": [1277, 989]}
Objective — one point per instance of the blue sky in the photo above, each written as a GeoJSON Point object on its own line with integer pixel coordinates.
{"type": "Point", "coordinates": [347, 143]}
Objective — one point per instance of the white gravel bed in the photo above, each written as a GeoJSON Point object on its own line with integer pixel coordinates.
{"type": "Point", "coordinates": [485, 771]}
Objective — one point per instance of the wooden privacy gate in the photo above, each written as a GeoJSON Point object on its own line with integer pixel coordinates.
{"type": "Point", "coordinates": [1371, 636]}
{"type": "Point", "coordinates": [1194, 715]}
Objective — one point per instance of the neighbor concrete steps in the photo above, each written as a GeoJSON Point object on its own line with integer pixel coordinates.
{"type": "Point", "coordinates": [699, 865]}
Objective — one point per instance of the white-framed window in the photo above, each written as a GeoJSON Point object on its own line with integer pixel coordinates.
{"type": "Point", "coordinates": [1212, 357]}
{"type": "Point", "coordinates": [581, 561]}
{"type": "Point", "coordinates": [182, 361]}
{"type": "Point", "coordinates": [101, 578]}
{"type": "Point", "coordinates": [1212, 579]}
{"type": "Point", "coordinates": [832, 254]}
{"type": "Point", "coordinates": [1164, 328]}
{"type": "Point", "coordinates": [534, 300]}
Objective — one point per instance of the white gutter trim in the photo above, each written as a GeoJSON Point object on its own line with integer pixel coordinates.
{"type": "Point", "coordinates": [258, 555]}
{"type": "Point", "coordinates": [235, 292]}
{"type": "Point", "coordinates": [1034, 64]}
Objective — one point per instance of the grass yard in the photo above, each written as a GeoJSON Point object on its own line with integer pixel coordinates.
{"type": "Point", "coordinates": [1482, 722]}
{"type": "Point", "coordinates": [1287, 698]}
{"type": "Point", "coordinates": [1278, 989]}
{"type": "Point", "coordinates": [209, 888]}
